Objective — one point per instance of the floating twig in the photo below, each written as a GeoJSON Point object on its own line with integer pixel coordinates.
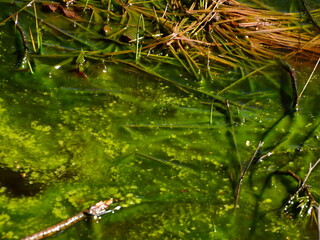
{"type": "Point", "coordinates": [303, 185]}
{"type": "Point", "coordinates": [309, 79]}
{"type": "Point", "coordinates": [95, 210]}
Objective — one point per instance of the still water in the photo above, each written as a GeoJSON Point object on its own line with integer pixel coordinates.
{"type": "Point", "coordinates": [164, 145]}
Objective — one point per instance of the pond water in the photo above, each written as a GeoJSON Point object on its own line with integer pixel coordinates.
{"type": "Point", "coordinates": [169, 148]}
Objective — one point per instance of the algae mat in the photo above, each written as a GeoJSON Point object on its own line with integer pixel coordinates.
{"type": "Point", "coordinates": [100, 99]}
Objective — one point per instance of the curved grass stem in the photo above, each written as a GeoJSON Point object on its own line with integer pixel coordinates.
{"type": "Point", "coordinates": [244, 172]}
{"type": "Point", "coordinates": [308, 81]}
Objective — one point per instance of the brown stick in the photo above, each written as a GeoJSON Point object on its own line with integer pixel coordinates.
{"type": "Point", "coordinates": [95, 210]}
{"type": "Point", "coordinates": [303, 185]}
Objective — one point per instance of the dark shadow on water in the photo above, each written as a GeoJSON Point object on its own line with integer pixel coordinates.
{"type": "Point", "coordinates": [16, 185]}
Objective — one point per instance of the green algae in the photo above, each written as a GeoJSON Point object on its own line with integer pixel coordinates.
{"type": "Point", "coordinates": [163, 144]}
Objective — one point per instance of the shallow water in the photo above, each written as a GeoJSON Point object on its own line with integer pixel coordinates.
{"type": "Point", "coordinates": [170, 156]}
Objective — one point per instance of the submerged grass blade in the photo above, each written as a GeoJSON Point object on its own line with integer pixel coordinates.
{"type": "Point", "coordinates": [32, 41]}
{"type": "Point", "coordinates": [62, 31]}
{"type": "Point", "coordinates": [13, 14]}
{"type": "Point", "coordinates": [163, 161]}
{"type": "Point", "coordinates": [38, 32]}
{"type": "Point", "coordinates": [175, 54]}
{"type": "Point", "coordinates": [243, 78]}
{"type": "Point", "coordinates": [139, 36]}
{"type": "Point", "coordinates": [244, 172]}
{"type": "Point", "coordinates": [192, 64]}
